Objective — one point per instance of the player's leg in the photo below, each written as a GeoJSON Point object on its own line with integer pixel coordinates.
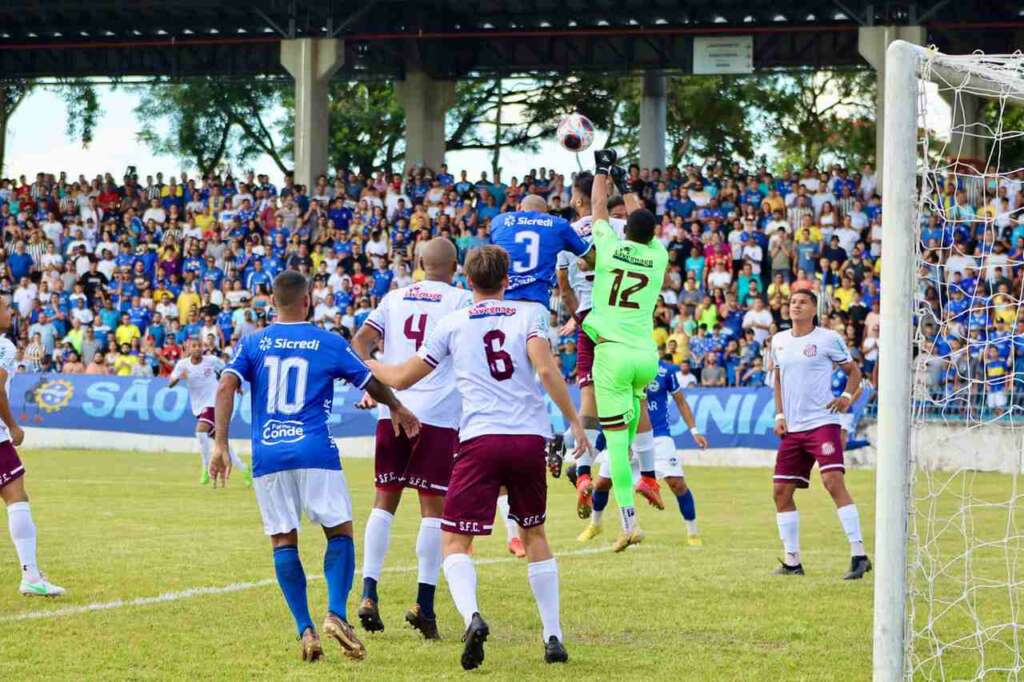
{"type": "Point", "coordinates": [22, 527]}
{"type": "Point", "coordinates": [326, 501]}
{"type": "Point", "coordinates": [291, 579]}
{"type": "Point", "coordinates": [793, 464]}
{"type": "Point", "coordinates": [237, 463]}
{"type": "Point", "coordinates": [512, 539]}
{"type": "Point", "coordinates": [643, 447]}
{"type": "Point", "coordinates": [204, 438]}
{"type": "Point", "coordinates": [828, 446]}
{"type": "Point", "coordinates": [669, 466]}
{"type": "Point", "coordinates": [602, 491]}
{"type": "Point", "coordinates": [428, 560]}
{"type": "Point", "coordinates": [588, 415]}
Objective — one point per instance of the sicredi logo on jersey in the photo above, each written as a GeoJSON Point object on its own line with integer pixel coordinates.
{"type": "Point", "coordinates": [290, 344]}
{"type": "Point", "coordinates": [276, 432]}
{"type": "Point", "coordinates": [523, 220]}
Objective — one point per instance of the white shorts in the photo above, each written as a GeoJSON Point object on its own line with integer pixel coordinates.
{"type": "Point", "coordinates": [667, 462]}
{"type": "Point", "coordinates": [846, 422]}
{"type": "Point", "coordinates": [320, 494]}
{"type": "Point", "coordinates": [996, 399]}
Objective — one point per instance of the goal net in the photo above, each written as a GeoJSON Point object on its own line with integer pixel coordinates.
{"type": "Point", "coordinates": [958, 404]}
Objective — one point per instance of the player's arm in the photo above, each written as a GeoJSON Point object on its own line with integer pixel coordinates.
{"type": "Point", "coordinates": [539, 351]}
{"type": "Point", "coordinates": [17, 434]}
{"type": "Point", "coordinates": [566, 292]}
{"type": "Point", "coordinates": [365, 341]}
{"type": "Point", "coordinates": [853, 379]}
{"type": "Point", "coordinates": [402, 376]}
{"type": "Point", "coordinates": [687, 415]}
{"type": "Point", "coordinates": [401, 418]}
{"type": "Point", "coordinates": [780, 418]}
{"type": "Point", "coordinates": [224, 407]}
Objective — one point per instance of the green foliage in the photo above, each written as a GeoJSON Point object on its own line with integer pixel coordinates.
{"type": "Point", "coordinates": [83, 108]}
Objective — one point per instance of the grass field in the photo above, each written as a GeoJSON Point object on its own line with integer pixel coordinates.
{"type": "Point", "coordinates": [170, 580]}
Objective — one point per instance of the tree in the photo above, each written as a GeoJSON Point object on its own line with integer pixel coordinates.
{"type": "Point", "coordinates": [210, 121]}
{"type": "Point", "coordinates": [80, 99]}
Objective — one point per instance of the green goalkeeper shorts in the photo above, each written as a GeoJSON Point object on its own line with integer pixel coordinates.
{"type": "Point", "coordinates": [621, 375]}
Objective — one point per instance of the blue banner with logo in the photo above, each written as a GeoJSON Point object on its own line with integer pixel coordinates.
{"type": "Point", "coordinates": [729, 417]}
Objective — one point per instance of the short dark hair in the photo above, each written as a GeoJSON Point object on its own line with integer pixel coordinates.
{"type": "Point", "coordinates": [640, 226]}
{"type": "Point", "coordinates": [615, 202]}
{"type": "Point", "coordinates": [808, 293]}
{"type": "Point", "coordinates": [486, 267]}
{"type": "Point", "coordinates": [289, 287]}
{"type": "Point", "coordinates": [584, 184]}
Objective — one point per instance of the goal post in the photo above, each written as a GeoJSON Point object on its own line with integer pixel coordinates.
{"type": "Point", "coordinates": [949, 525]}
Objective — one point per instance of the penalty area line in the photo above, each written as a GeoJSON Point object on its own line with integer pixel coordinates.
{"type": "Point", "coordinates": [194, 592]}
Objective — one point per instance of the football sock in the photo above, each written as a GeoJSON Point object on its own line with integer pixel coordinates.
{"type": "Point", "coordinates": [689, 511]}
{"type": "Point", "coordinates": [586, 460]}
{"type": "Point", "coordinates": [622, 473]}
{"type": "Point", "coordinates": [339, 571]}
{"type": "Point", "coordinates": [428, 557]}
{"type": "Point", "coordinates": [236, 461]}
{"type": "Point", "coordinates": [460, 575]}
{"type": "Point", "coordinates": [205, 445]}
{"type": "Point", "coordinates": [511, 527]}
{"type": "Point", "coordinates": [23, 534]}
{"type": "Point", "coordinates": [600, 501]}
{"type": "Point", "coordinates": [375, 546]}
{"type": "Point", "coordinates": [643, 445]}
{"type": "Point", "coordinates": [789, 531]}
{"type": "Point", "coordinates": [292, 580]}
{"type": "Point", "coordinates": [850, 518]}
{"type": "Point", "coordinates": [544, 583]}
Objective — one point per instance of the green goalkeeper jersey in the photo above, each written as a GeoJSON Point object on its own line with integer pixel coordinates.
{"type": "Point", "coordinates": [627, 282]}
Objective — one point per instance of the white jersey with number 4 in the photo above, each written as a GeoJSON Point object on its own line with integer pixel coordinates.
{"type": "Point", "coordinates": [201, 380]}
{"type": "Point", "coordinates": [405, 318]}
{"type": "Point", "coordinates": [9, 363]}
{"type": "Point", "coordinates": [493, 374]}
{"type": "Point", "coordinates": [583, 282]}
{"type": "Point", "coordinates": [805, 365]}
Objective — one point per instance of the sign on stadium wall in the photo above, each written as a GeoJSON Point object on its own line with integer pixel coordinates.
{"type": "Point", "coordinates": [729, 417]}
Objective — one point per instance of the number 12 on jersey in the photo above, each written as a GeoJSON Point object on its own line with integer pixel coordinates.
{"type": "Point", "coordinates": [621, 299]}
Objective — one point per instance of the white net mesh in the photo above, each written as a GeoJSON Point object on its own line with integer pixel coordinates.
{"type": "Point", "coordinates": [966, 556]}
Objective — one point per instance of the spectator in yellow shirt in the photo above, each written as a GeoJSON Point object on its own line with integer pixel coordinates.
{"type": "Point", "coordinates": [682, 341]}
{"type": "Point", "coordinates": [845, 293]}
{"type": "Point", "coordinates": [814, 234]}
{"type": "Point", "coordinates": [187, 300]}
{"type": "Point", "coordinates": [126, 332]}
{"type": "Point", "coordinates": [125, 361]}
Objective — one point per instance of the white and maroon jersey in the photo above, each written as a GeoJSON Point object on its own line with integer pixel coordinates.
{"type": "Point", "coordinates": [8, 362]}
{"type": "Point", "coordinates": [583, 282]}
{"type": "Point", "coordinates": [405, 318]}
{"type": "Point", "coordinates": [201, 380]}
{"type": "Point", "coordinates": [493, 374]}
{"type": "Point", "coordinates": [805, 366]}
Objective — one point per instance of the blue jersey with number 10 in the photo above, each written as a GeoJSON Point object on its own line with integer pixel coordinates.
{"type": "Point", "coordinates": [659, 393]}
{"type": "Point", "coordinates": [533, 241]}
{"type": "Point", "coordinates": [291, 368]}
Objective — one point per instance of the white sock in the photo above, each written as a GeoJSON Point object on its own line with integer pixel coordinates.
{"type": "Point", "coordinates": [511, 527]}
{"type": "Point", "coordinates": [691, 527]}
{"type": "Point", "coordinates": [23, 533]}
{"type": "Point", "coordinates": [789, 531]}
{"type": "Point", "coordinates": [850, 518]}
{"type": "Point", "coordinates": [544, 583]}
{"type": "Point", "coordinates": [375, 542]}
{"type": "Point", "coordinates": [205, 446]}
{"type": "Point", "coordinates": [595, 517]}
{"type": "Point", "coordinates": [236, 461]}
{"type": "Point", "coordinates": [585, 458]}
{"type": "Point", "coordinates": [628, 518]}
{"type": "Point", "coordinates": [460, 574]}
{"type": "Point", "coordinates": [643, 446]}
{"type": "Point", "coordinates": [428, 550]}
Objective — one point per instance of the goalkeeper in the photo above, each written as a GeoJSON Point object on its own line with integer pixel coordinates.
{"type": "Point", "coordinates": [628, 277]}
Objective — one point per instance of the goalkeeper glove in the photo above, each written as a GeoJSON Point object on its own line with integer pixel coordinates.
{"type": "Point", "coordinates": [604, 159]}
{"type": "Point", "coordinates": [621, 180]}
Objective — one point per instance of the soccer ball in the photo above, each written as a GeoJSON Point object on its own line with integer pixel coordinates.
{"type": "Point", "coordinates": [575, 132]}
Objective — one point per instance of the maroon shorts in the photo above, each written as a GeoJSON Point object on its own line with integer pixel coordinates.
{"type": "Point", "coordinates": [484, 464]}
{"type": "Point", "coordinates": [423, 463]}
{"type": "Point", "coordinates": [206, 417]}
{"type": "Point", "coordinates": [584, 354]}
{"type": "Point", "coordinates": [11, 467]}
{"type": "Point", "coordinates": [799, 451]}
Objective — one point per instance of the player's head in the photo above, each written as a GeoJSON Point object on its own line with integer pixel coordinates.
{"type": "Point", "coordinates": [533, 202]}
{"type": "Point", "coordinates": [5, 314]}
{"type": "Point", "coordinates": [195, 349]}
{"type": "Point", "coordinates": [803, 305]}
{"type": "Point", "coordinates": [640, 226]}
{"type": "Point", "coordinates": [617, 207]}
{"type": "Point", "coordinates": [487, 270]}
{"type": "Point", "coordinates": [291, 296]}
{"type": "Point", "coordinates": [582, 186]}
{"type": "Point", "coordinates": [438, 259]}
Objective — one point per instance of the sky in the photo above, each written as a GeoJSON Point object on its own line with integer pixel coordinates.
{"type": "Point", "coordinates": [36, 142]}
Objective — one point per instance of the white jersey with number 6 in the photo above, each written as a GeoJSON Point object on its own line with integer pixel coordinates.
{"type": "Point", "coordinates": [487, 344]}
{"type": "Point", "coordinates": [201, 380]}
{"type": "Point", "coordinates": [405, 318]}
{"type": "Point", "coordinates": [805, 367]}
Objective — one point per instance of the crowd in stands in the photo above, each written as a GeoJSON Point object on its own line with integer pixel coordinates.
{"type": "Point", "coordinates": [112, 277]}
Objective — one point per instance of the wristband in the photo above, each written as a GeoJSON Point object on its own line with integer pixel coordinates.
{"type": "Point", "coordinates": [780, 417]}
{"type": "Point", "coordinates": [847, 396]}
{"type": "Point", "coordinates": [694, 432]}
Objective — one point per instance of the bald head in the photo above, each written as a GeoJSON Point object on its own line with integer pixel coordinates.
{"type": "Point", "coordinates": [438, 259]}
{"type": "Point", "coordinates": [532, 202]}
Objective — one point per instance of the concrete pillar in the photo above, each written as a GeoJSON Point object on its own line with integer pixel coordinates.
{"type": "Point", "coordinates": [872, 42]}
{"type": "Point", "coordinates": [965, 142]}
{"type": "Point", "coordinates": [311, 62]}
{"type": "Point", "coordinates": [425, 101]}
{"type": "Point", "coordinates": [653, 116]}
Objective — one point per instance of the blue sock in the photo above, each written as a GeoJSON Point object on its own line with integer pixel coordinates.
{"type": "Point", "coordinates": [601, 443]}
{"type": "Point", "coordinates": [292, 580]}
{"type": "Point", "coordinates": [339, 570]}
{"type": "Point", "coordinates": [600, 500]}
{"type": "Point", "coordinates": [686, 505]}
{"type": "Point", "coordinates": [370, 589]}
{"type": "Point", "coordinates": [425, 599]}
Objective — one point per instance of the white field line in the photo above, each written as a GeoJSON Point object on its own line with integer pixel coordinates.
{"type": "Point", "coordinates": [233, 587]}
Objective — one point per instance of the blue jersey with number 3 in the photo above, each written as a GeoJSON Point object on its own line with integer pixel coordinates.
{"type": "Point", "coordinates": [291, 369]}
{"type": "Point", "coordinates": [659, 394]}
{"type": "Point", "coordinates": [533, 241]}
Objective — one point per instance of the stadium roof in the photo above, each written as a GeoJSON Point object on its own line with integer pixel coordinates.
{"type": "Point", "coordinates": [452, 38]}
